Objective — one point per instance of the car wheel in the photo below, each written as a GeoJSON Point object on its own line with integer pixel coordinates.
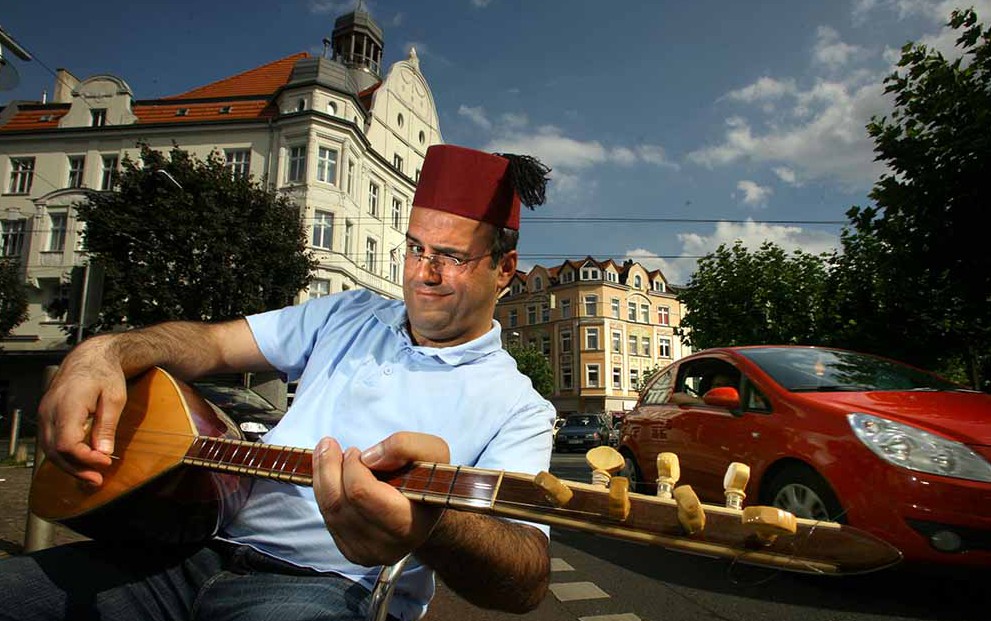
{"type": "Point", "coordinates": [632, 472]}
{"type": "Point", "coordinates": [802, 492]}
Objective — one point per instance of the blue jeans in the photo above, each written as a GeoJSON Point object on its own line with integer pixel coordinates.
{"type": "Point", "coordinates": [217, 582]}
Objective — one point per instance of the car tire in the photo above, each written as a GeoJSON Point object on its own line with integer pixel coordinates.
{"type": "Point", "coordinates": [632, 472]}
{"type": "Point", "coordinates": [800, 490]}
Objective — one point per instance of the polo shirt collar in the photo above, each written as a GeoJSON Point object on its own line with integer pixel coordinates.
{"type": "Point", "coordinates": [394, 316]}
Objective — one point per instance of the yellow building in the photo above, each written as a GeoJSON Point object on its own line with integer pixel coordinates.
{"type": "Point", "coordinates": [344, 139]}
{"type": "Point", "coordinates": [602, 325]}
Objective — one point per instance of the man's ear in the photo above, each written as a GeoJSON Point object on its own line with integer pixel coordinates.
{"type": "Point", "coordinates": [507, 268]}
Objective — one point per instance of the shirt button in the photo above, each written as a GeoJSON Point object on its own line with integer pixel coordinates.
{"type": "Point", "coordinates": [387, 371]}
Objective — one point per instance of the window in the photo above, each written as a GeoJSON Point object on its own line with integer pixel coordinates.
{"type": "Point", "coordinates": [531, 315]}
{"type": "Point", "coordinates": [394, 268]}
{"type": "Point", "coordinates": [617, 342]}
{"type": "Point", "coordinates": [319, 287]}
{"type": "Point", "coordinates": [108, 172]}
{"type": "Point", "coordinates": [591, 301]}
{"type": "Point", "coordinates": [645, 313]}
{"type": "Point", "coordinates": [633, 345]}
{"type": "Point", "coordinates": [323, 230]}
{"type": "Point", "coordinates": [399, 119]}
{"type": "Point", "coordinates": [327, 165]}
{"type": "Point", "coordinates": [617, 377]}
{"type": "Point", "coordinates": [238, 161]}
{"type": "Point", "coordinates": [592, 376]}
{"type": "Point", "coordinates": [545, 345]}
{"type": "Point", "coordinates": [21, 175]}
{"type": "Point", "coordinates": [12, 235]}
{"type": "Point", "coordinates": [225, 109]}
{"type": "Point", "coordinates": [397, 162]}
{"type": "Point", "coordinates": [514, 318]}
{"type": "Point", "coordinates": [565, 309]}
{"type": "Point", "coordinates": [659, 286]}
{"type": "Point", "coordinates": [614, 305]}
{"type": "Point", "coordinates": [98, 117]}
{"type": "Point", "coordinates": [350, 177]}
{"type": "Point", "coordinates": [348, 238]}
{"type": "Point", "coordinates": [300, 105]}
{"type": "Point", "coordinates": [631, 311]}
{"type": "Point", "coordinates": [634, 378]}
{"type": "Point", "coordinates": [332, 108]}
{"type": "Point", "coordinates": [417, 177]}
{"type": "Point", "coordinates": [55, 296]}
{"type": "Point", "coordinates": [422, 137]}
{"type": "Point", "coordinates": [645, 345]}
{"type": "Point", "coordinates": [664, 347]}
{"type": "Point", "coordinates": [373, 199]}
{"type": "Point", "coordinates": [566, 342]}
{"type": "Point", "coordinates": [182, 112]}
{"type": "Point", "coordinates": [566, 380]}
{"type": "Point", "coordinates": [538, 283]}
{"type": "Point", "coordinates": [592, 338]}
{"type": "Point", "coordinates": [297, 164]}
{"type": "Point", "coordinates": [56, 235]}
{"type": "Point", "coordinates": [545, 313]}
{"type": "Point", "coordinates": [664, 315]}
{"type": "Point", "coordinates": [567, 277]}
{"type": "Point", "coordinates": [76, 163]}
{"type": "Point", "coordinates": [637, 282]}
{"type": "Point", "coordinates": [591, 273]}
{"type": "Point", "coordinates": [371, 248]}
{"type": "Point", "coordinates": [397, 213]}
{"type": "Point", "coordinates": [517, 288]}
{"type": "Point", "coordinates": [612, 276]}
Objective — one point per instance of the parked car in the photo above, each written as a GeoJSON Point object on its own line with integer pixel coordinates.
{"type": "Point", "coordinates": [828, 434]}
{"type": "Point", "coordinates": [582, 432]}
{"type": "Point", "coordinates": [252, 413]}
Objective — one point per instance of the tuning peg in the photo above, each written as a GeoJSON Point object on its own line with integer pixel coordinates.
{"type": "Point", "coordinates": [690, 512]}
{"type": "Point", "coordinates": [556, 492]}
{"type": "Point", "coordinates": [619, 498]}
{"type": "Point", "coordinates": [734, 483]}
{"type": "Point", "coordinates": [668, 473]}
{"type": "Point", "coordinates": [768, 522]}
{"type": "Point", "coordinates": [604, 461]}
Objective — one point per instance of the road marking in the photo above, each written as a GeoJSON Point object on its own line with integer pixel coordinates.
{"type": "Point", "coordinates": [626, 616]}
{"type": "Point", "coordinates": [559, 564]}
{"type": "Point", "coordinates": [568, 591]}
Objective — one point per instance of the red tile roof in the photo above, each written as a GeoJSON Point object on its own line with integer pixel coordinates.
{"type": "Point", "coordinates": [36, 117]}
{"type": "Point", "coordinates": [264, 80]}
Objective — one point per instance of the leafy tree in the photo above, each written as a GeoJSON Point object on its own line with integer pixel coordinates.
{"type": "Point", "coordinates": [532, 363]}
{"type": "Point", "coordinates": [647, 375]}
{"type": "Point", "coordinates": [13, 297]}
{"type": "Point", "coordinates": [931, 284]}
{"type": "Point", "coordinates": [739, 297]}
{"type": "Point", "coordinates": [182, 238]}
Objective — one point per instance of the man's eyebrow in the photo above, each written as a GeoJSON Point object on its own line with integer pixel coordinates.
{"type": "Point", "coordinates": [437, 249]}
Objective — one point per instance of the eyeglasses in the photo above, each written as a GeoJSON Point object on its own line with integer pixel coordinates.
{"type": "Point", "coordinates": [442, 263]}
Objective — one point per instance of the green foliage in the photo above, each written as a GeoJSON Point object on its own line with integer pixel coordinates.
{"type": "Point", "coordinates": [207, 246]}
{"type": "Point", "coordinates": [743, 297]}
{"type": "Point", "coordinates": [647, 375]}
{"type": "Point", "coordinates": [532, 363]}
{"type": "Point", "coordinates": [930, 282]}
{"type": "Point", "coordinates": [13, 296]}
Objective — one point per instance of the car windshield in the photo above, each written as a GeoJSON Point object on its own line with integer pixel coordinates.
{"type": "Point", "coordinates": [236, 397]}
{"type": "Point", "coordinates": [830, 370]}
{"type": "Point", "coordinates": [581, 421]}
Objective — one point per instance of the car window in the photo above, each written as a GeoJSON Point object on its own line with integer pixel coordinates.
{"type": "Point", "coordinates": [754, 400]}
{"type": "Point", "coordinates": [237, 397]}
{"type": "Point", "coordinates": [659, 390]}
{"type": "Point", "coordinates": [697, 377]}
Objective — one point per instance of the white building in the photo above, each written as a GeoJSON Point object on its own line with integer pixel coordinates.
{"type": "Point", "coordinates": [344, 141]}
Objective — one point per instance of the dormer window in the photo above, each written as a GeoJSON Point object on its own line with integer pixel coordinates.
{"type": "Point", "coordinates": [182, 112]}
{"type": "Point", "coordinates": [591, 273]}
{"type": "Point", "coordinates": [44, 118]}
{"type": "Point", "coordinates": [567, 277]}
{"type": "Point", "coordinates": [98, 117]}
{"type": "Point", "coordinates": [538, 283]}
{"type": "Point", "coordinates": [225, 110]}
{"type": "Point", "coordinates": [637, 282]}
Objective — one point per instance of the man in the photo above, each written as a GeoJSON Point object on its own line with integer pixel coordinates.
{"type": "Point", "coordinates": [381, 383]}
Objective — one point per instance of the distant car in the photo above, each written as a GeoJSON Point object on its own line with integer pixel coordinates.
{"type": "Point", "coordinates": [252, 413]}
{"type": "Point", "coordinates": [581, 432]}
{"type": "Point", "coordinates": [828, 434]}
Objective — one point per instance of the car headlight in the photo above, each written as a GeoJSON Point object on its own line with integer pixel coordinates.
{"type": "Point", "coordinates": [253, 427]}
{"type": "Point", "coordinates": [915, 449]}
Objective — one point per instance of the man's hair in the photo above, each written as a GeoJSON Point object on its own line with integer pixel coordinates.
{"type": "Point", "coordinates": [503, 240]}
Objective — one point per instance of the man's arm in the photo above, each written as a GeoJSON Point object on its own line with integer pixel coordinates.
{"type": "Point", "coordinates": [492, 563]}
{"type": "Point", "coordinates": [78, 414]}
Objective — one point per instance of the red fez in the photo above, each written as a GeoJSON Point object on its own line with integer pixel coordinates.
{"type": "Point", "coordinates": [468, 183]}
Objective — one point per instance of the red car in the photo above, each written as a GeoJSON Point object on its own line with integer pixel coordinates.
{"type": "Point", "coordinates": [828, 434]}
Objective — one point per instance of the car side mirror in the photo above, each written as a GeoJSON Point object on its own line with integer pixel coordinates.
{"type": "Point", "coordinates": [723, 397]}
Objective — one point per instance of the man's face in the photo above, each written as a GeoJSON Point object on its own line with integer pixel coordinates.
{"type": "Point", "coordinates": [455, 305]}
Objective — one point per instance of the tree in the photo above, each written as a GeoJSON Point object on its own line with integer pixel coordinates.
{"type": "Point", "coordinates": [13, 297]}
{"type": "Point", "coordinates": [918, 238]}
{"type": "Point", "coordinates": [182, 238]}
{"type": "Point", "coordinates": [532, 363]}
{"type": "Point", "coordinates": [739, 297]}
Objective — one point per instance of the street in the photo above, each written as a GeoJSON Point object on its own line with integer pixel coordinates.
{"type": "Point", "coordinates": [600, 577]}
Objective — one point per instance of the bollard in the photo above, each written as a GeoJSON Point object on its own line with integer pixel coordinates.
{"type": "Point", "coordinates": [39, 534]}
{"type": "Point", "coordinates": [15, 431]}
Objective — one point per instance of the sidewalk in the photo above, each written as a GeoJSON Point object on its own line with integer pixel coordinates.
{"type": "Point", "coordinates": [15, 482]}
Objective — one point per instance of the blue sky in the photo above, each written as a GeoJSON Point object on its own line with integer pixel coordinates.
{"type": "Point", "coordinates": [747, 117]}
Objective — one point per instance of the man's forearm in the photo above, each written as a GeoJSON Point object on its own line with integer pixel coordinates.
{"type": "Point", "coordinates": [490, 562]}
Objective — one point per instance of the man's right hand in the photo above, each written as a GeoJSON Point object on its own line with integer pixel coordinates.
{"type": "Point", "coordinates": [78, 415]}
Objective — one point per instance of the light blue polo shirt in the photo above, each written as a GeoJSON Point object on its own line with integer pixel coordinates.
{"type": "Point", "coordinates": [361, 379]}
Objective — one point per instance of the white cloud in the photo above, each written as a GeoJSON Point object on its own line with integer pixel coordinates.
{"type": "Point", "coordinates": [652, 261]}
{"type": "Point", "coordinates": [753, 234]}
{"type": "Point", "coordinates": [754, 195]}
{"type": "Point", "coordinates": [830, 52]}
{"type": "Point", "coordinates": [480, 3]}
{"type": "Point", "coordinates": [765, 88]}
{"type": "Point", "coordinates": [476, 115]}
{"type": "Point", "coordinates": [549, 144]}
{"type": "Point", "coordinates": [787, 175]}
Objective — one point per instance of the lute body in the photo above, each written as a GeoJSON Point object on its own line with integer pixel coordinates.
{"type": "Point", "coordinates": [178, 466]}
